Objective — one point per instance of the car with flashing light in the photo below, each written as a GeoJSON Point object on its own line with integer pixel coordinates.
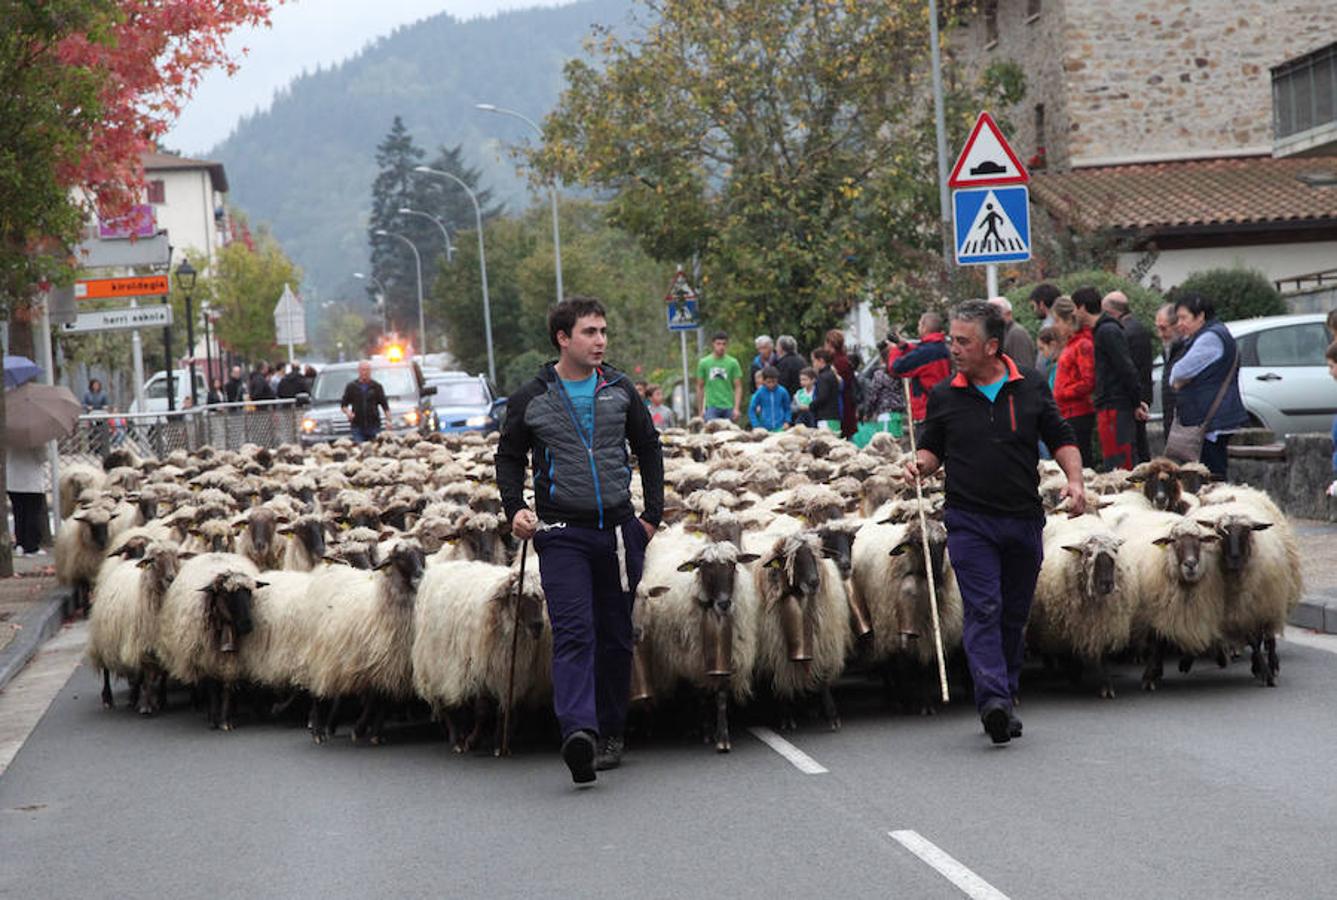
{"type": "Point", "coordinates": [465, 402]}
{"type": "Point", "coordinates": [408, 394]}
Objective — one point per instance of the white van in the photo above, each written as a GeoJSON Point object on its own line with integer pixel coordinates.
{"type": "Point", "coordinates": [155, 391]}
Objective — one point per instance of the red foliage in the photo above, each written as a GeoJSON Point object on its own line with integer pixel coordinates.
{"type": "Point", "coordinates": [152, 61]}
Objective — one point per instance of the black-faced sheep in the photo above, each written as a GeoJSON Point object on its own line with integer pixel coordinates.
{"type": "Point", "coordinates": [79, 547]}
{"type": "Point", "coordinates": [465, 621]}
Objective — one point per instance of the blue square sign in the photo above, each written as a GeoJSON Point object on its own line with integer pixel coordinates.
{"type": "Point", "coordinates": [993, 225]}
{"type": "Point", "coordinates": [682, 315]}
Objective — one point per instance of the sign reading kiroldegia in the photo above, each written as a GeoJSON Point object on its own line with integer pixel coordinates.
{"type": "Point", "coordinates": [157, 316]}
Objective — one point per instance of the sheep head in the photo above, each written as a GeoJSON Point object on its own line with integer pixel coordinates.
{"type": "Point", "coordinates": [837, 536]}
{"type": "Point", "coordinates": [525, 602]}
{"type": "Point", "coordinates": [1185, 540]}
{"type": "Point", "coordinates": [403, 565]}
{"type": "Point", "coordinates": [794, 567]}
{"type": "Point", "coordinates": [1160, 484]}
{"type": "Point", "coordinates": [310, 531]}
{"type": "Point", "coordinates": [912, 544]}
{"type": "Point", "coordinates": [261, 526]}
{"type": "Point", "coordinates": [95, 520]}
{"type": "Point", "coordinates": [227, 608]}
{"type": "Point", "coordinates": [1235, 531]}
{"type": "Point", "coordinates": [1099, 562]}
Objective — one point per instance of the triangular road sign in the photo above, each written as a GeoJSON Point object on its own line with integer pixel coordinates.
{"type": "Point", "coordinates": [987, 159]}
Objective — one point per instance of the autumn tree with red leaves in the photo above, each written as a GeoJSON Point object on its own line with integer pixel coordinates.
{"type": "Point", "coordinates": [86, 86]}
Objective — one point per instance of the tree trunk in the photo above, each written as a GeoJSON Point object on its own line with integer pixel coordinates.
{"type": "Point", "coordinates": [6, 546]}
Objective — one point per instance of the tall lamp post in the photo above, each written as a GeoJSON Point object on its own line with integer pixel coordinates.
{"type": "Point", "coordinates": [552, 186]}
{"type": "Point", "coordinates": [205, 312]}
{"type": "Point", "coordinates": [436, 220]}
{"type": "Point", "coordinates": [185, 279]}
{"type": "Point", "coordinates": [482, 261]}
{"type": "Point", "coordinates": [417, 262]}
{"type": "Point", "coordinates": [380, 298]}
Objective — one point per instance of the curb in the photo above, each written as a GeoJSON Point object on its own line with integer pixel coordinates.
{"type": "Point", "coordinates": [38, 625]}
{"type": "Point", "coordinates": [1317, 613]}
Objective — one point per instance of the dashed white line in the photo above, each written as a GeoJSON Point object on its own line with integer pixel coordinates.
{"type": "Point", "coordinates": [947, 866]}
{"type": "Point", "coordinates": [797, 758]}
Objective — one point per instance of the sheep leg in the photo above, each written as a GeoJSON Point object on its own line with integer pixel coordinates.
{"type": "Point", "coordinates": [215, 691]}
{"type": "Point", "coordinates": [505, 727]}
{"type": "Point", "coordinates": [1257, 664]}
{"type": "Point", "coordinates": [788, 718]}
{"type": "Point", "coordinates": [1186, 663]}
{"type": "Point", "coordinates": [829, 711]}
{"type": "Point", "coordinates": [1155, 669]}
{"type": "Point", "coordinates": [722, 742]}
{"type": "Point", "coordinates": [332, 722]}
{"type": "Point", "coordinates": [108, 702]}
{"type": "Point", "coordinates": [471, 740]}
{"type": "Point", "coordinates": [229, 695]}
{"type": "Point", "coordinates": [314, 723]}
{"type": "Point", "coordinates": [1106, 681]}
{"type": "Point", "coordinates": [382, 707]}
{"type": "Point", "coordinates": [1222, 657]}
{"type": "Point", "coordinates": [148, 693]}
{"type": "Point", "coordinates": [136, 682]}
{"type": "Point", "coordinates": [1273, 660]}
{"type": "Point", "coordinates": [283, 704]}
{"type": "Point", "coordinates": [363, 724]}
{"type": "Point", "coordinates": [160, 702]}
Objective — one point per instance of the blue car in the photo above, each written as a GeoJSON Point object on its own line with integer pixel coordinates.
{"type": "Point", "coordinates": [465, 403]}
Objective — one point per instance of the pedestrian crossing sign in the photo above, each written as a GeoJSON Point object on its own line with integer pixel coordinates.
{"type": "Point", "coordinates": [993, 225]}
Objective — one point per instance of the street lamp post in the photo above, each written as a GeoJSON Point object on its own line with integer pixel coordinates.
{"type": "Point", "coordinates": [445, 235]}
{"type": "Point", "coordinates": [380, 299]}
{"type": "Point", "coordinates": [185, 279]}
{"type": "Point", "coordinates": [417, 262]}
{"type": "Point", "coordinates": [482, 261]}
{"type": "Point", "coordinates": [208, 353]}
{"type": "Point", "coordinates": [552, 186]}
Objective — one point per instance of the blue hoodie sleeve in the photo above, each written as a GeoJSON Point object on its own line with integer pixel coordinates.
{"type": "Point", "coordinates": [752, 408]}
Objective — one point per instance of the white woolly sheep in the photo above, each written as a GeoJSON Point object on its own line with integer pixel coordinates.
{"type": "Point", "coordinates": [1082, 609]}
{"type": "Point", "coordinates": [465, 621]}
{"type": "Point", "coordinates": [259, 540]}
{"type": "Point", "coordinates": [80, 544]}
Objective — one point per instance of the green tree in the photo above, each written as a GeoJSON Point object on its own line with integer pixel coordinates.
{"type": "Point", "coordinates": [785, 142]}
{"type": "Point", "coordinates": [243, 288]}
{"type": "Point", "coordinates": [598, 260]}
{"type": "Point", "coordinates": [1236, 293]}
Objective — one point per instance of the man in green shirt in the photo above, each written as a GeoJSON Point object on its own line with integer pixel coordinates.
{"type": "Point", "coordinates": [719, 382]}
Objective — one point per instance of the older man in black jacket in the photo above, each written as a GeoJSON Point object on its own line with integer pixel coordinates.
{"type": "Point", "coordinates": [1117, 393]}
{"type": "Point", "coordinates": [1140, 350]}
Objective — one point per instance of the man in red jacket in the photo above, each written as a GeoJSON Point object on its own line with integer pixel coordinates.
{"type": "Point", "coordinates": [927, 364]}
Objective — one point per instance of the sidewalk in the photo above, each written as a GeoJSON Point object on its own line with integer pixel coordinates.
{"type": "Point", "coordinates": [30, 612]}
{"type": "Point", "coordinates": [1318, 559]}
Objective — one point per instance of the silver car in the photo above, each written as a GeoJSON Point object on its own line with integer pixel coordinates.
{"type": "Point", "coordinates": [1283, 375]}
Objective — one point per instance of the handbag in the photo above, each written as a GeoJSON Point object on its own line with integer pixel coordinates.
{"type": "Point", "coordinates": [1183, 443]}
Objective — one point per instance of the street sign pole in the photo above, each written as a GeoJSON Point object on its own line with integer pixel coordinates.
{"type": "Point", "coordinates": [686, 383]}
{"type": "Point", "coordinates": [137, 348]}
{"type": "Point", "coordinates": [167, 363]}
{"type": "Point", "coordinates": [991, 278]}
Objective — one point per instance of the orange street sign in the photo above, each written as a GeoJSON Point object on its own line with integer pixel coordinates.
{"type": "Point", "coordinates": [134, 286]}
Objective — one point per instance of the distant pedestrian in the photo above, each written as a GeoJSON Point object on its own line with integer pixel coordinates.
{"type": "Point", "coordinates": [217, 392]}
{"type": "Point", "coordinates": [803, 398]}
{"type": "Point", "coordinates": [363, 401]}
{"type": "Point", "coordinates": [1075, 377]}
{"type": "Point", "coordinates": [993, 513]}
{"type": "Point", "coordinates": [642, 389]}
{"type": "Point", "coordinates": [660, 414]}
{"type": "Point", "coordinates": [590, 543]}
{"type": "Point", "coordinates": [1172, 348]}
{"type": "Point", "coordinates": [236, 386]}
{"type": "Point", "coordinates": [257, 388]}
{"type": "Point", "coordinates": [1016, 342]}
{"type": "Point", "coordinates": [825, 406]}
{"type": "Point", "coordinates": [25, 479]}
{"type": "Point", "coordinates": [1139, 348]}
{"type": "Point", "coordinates": [765, 355]}
{"type": "Point", "coordinates": [1208, 367]}
{"type": "Point", "coordinates": [719, 382]}
{"type": "Point", "coordinates": [849, 405]}
{"type": "Point", "coordinates": [884, 403]}
{"type": "Point", "coordinates": [1042, 300]}
{"type": "Point", "coordinates": [1048, 349]}
{"type": "Point", "coordinates": [1116, 397]}
{"type": "Point", "coordinates": [292, 383]}
{"type": "Point", "coordinates": [95, 398]}
{"type": "Point", "coordinates": [769, 406]}
{"type": "Point", "coordinates": [275, 374]}
{"type": "Point", "coordinates": [789, 362]}
{"type": "Point", "coordinates": [928, 363]}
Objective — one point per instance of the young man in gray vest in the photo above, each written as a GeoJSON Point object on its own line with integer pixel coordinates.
{"type": "Point", "coordinates": [573, 423]}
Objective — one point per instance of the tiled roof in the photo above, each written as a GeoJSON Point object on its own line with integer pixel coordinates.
{"type": "Point", "coordinates": [158, 162]}
{"type": "Point", "coordinates": [1203, 193]}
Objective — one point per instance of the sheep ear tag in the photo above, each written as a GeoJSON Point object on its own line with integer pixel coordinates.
{"type": "Point", "coordinates": [775, 563]}
{"type": "Point", "coordinates": [689, 566]}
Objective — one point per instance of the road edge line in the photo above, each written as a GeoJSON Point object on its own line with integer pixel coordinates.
{"type": "Point", "coordinates": [946, 865]}
{"type": "Point", "coordinates": [796, 757]}
{"type": "Point", "coordinates": [39, 624]}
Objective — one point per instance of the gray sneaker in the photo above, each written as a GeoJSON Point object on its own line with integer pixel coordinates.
{"type": "Point", "coordinates": [610, 754]}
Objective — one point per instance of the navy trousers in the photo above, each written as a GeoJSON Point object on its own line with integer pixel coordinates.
{"type": "Point", "coordinates": [997, 561]}
{"type": "Point", "coordinates": [591, 621]}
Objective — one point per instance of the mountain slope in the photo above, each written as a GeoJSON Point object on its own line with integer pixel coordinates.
{"type": "Point", "coordinates": [305, 165]}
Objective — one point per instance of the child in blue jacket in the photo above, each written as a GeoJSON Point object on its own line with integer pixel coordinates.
{"type": "Point", "coordinates": [769, 406]}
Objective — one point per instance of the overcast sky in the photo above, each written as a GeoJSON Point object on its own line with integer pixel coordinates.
{"type": "Point", "coordinates": [305, 33]}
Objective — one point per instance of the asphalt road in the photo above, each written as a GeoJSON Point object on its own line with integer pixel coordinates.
{"type": "Point", "coordinates": [1213, 787]}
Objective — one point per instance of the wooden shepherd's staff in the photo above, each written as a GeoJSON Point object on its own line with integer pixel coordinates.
{"type": "Point", "coordinates": [928, 567]}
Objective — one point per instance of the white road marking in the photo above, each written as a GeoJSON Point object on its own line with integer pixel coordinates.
{"type": "Point", "coordinates": [970, 884]}
{"type": "Point", "coordinates": [800, 760]}
{"type": "Point", "coordinates": [1304, 638]}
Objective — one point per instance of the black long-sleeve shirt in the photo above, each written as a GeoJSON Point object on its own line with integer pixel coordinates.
{"type": "Point", "coordinates": [364, 401]}
{"type": "Point", "coordinates": [1116, 378]}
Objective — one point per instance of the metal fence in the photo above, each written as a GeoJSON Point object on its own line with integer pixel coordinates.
{"type": "Point", "coordinates": [226, 426]}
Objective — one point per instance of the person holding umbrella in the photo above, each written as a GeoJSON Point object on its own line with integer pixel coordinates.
{"type": "Point", "coordinates": [26, 480]}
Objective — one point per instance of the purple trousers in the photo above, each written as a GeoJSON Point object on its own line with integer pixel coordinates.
{"type": "Point", "coordinates": [997, 561]}
{"type": "Point", "coordinates": [583, 580]}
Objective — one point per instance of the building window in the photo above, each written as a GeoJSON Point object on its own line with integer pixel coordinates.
{"type": "Point", "coordinates": [990, 22]}
{"type": "Point", "coordinates": [1032, 10]}
{"type": "Point", "coordinates": [157, 192]}
{"type": "Point", "coordinates": [1304, 92]}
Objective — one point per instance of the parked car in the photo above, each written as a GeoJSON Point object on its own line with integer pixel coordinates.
{"type": "Point", "coordinates": [155, 391]}
{"type": "Point", "coordinates": [466, 403]}
{"type": "Point", "coordinates": [1283, 377]}
{"type": "Point", "coordinates": [405, 390]}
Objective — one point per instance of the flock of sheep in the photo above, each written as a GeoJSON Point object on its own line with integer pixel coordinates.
{"type": "Point", "coordinates": [382, 578]}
